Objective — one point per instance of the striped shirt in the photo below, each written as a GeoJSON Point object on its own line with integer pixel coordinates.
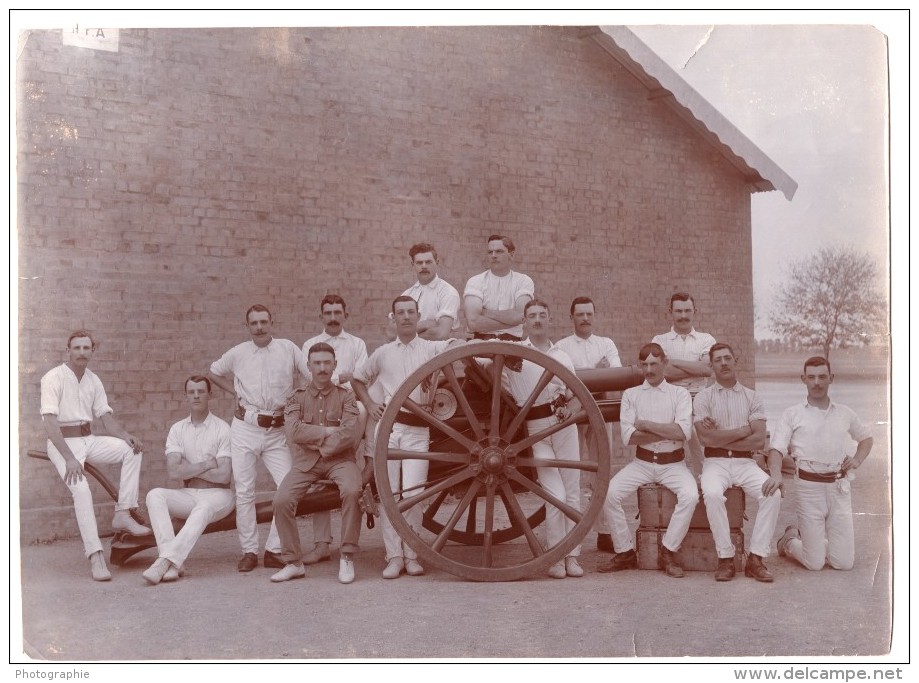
{"type": "Point", "coordinates": [350, 352]}
{"type": "Point", "coordinates": [586, 353]}
{"type": "Point", "coordinates": [435, 300]}
{"type": "Point", "coordinates": [263, 376]}
{"type": "Point", "coordinates": [818, 439]}
{"type": "Point", "coordinates": [663, 403]}
{"type": "Point", "coordinates": [730, 408]}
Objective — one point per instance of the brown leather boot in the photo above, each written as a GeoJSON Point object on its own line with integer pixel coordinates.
{"type": "Point", "coordinates": [725, 570]}
{"type": "Point", "coordinates": [666, 560]}
{"type": "Point", "coordinates": [756, 569]}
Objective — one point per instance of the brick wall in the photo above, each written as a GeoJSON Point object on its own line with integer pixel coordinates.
{"type": "Point", "coordinates": [164, 188]}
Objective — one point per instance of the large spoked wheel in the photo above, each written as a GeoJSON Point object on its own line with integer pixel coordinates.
{"type": "Point", "coordinates": [482, 486]}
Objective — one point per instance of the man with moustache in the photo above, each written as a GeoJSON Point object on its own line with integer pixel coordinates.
{"type": "Point", "coordinates": [587, 351]}
{"type": "Point", "coordinates": [687, 356]}
{"type": "Point", "coordinates": [493, 301]}
{"type": "Point", "coordinates": [438, 300]}
{"type": "Point", "coordinates": [656, 417]}
{"type": "Point", "coordinates": [556, 402]}
{"type": "Point", "coordinates": [817, 433]}
{"type": "Point", "coordinates": [390, 365]}
{"type": "Point", "coordinates": [71, 396]}
{"type": "Point", "coordinates": [350, 353]}
{"type": "Point", "coordinates": [322, 424]}
{"type": "Point", "coordinates": [264, 371]}
{"type": "Point", "coordinates": [198, 454]}
{"type": "Point", "coordinates": [731, 424]}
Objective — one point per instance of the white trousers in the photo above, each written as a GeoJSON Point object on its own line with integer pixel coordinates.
{"type": "Point", "coordinates": [602, 525]}
{"type": "Point", "coordinates": [98, 450]}
{"type": "Point", "coordinates": [405, 474]}
{"type": "Point", "coordinates": [825, 522]}
{"type": "Point", "coordinates": [563, 483]}
{"type": "Point", "coordinates": [248, 443]}
{"type": "Point", "coordinates": [198, 507]}
{"type": "Point", "coordinates": [675, 477]}
{"type": "Point", "coordinates": [718, 474]}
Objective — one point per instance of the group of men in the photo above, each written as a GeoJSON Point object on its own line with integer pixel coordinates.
{"type": "Point", "coordinates": [310, 414]}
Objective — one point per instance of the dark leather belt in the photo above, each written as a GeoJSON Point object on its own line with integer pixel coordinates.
{"type": "Point", "coordinates": [197, 483]}
{"type": "Point", "coordinates": [76, 431]}
{"type": "Point", "coordinates": [410, 419]}
{"type": "Point", "coordinates": [828, 478]}
{"type": "Point", "coordinates": [504, 336]}
{"type": "Point", "coordinates": [264, 421]}
{"type": "Point", "coordinates": [659, 458]}
{"type": "Point", "coordinates": [539, 412]}
{"type": "Point", "coordinates": [726, 453]}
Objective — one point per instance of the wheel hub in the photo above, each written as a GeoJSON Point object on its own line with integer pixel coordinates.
{"type": "Point", "coordinates": [493, 460]}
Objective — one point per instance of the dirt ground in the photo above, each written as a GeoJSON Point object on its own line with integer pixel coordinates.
{"type": "Point", "coordinates": [217, 614]}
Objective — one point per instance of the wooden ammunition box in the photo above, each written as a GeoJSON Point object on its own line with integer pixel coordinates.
{"type": "Point", "coordinates": [696, 554]}
{"type": "Point", "coordinates": [656, 503]}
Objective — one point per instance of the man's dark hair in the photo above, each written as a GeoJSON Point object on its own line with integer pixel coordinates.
{"type": "Point", "coordinates": [319, 347]}
{"type": "Point", "coordinates": [401, 298]}
{"type": "Point", "coordinates": [333, 299]}
{"type": "Point", "coordinates": [422, 248]}
{"type": "Point", "coordinates": [258, 308]}
{"type": "Point", "coordinates": [816, 362]}
{"type": "Point", "coordinates": [718, 347]}
{"type": "Point", "coordinates": [651, 349]}
{"type": "Point", "coordinates": [196, 379]}
{"type": "Point", "coordinates": [535, 302]}
{"type": "Point", "coordinates": [76, 334]}
{"type": "Point", "coordinates": [506, 241]}
{"type": "Point", "coordinates": [681, 296]}
{"type": "Point", "coordinates": [581, 300]}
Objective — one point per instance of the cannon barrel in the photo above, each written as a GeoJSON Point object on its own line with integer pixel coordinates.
{"type": "Point", "coordinates": [611, 379]}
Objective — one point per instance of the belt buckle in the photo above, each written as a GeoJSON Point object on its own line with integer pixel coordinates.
{"type": "Point", "coordinates": [730, 453]}
{"type": "Point", "coordinates": [265, 421]}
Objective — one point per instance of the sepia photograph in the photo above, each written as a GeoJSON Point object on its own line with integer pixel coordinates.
{"type": "Point", "coordinates": [418, 338]}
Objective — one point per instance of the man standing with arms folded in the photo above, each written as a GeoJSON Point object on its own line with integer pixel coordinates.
{"type": "Point", "coordinates": [264, 372]}
{"type": "Point", "coordinates": [71, 396]}
{"type": "Point", "coordinates": [350, 354]}
{"type": "Point", "coordinates": [588, 351]}
{"type": "Point", "coordinates": [817, 433]}
{"type": "Point", "coordinates": [657, 418]}
{"type": "Point", "coordinates": [687, 355]}
{"type": "Point", "coordinates": [197, 453]}
{"type": "Point", "coordinates": [438, 300]}
{"type": "Point", "coordinates": [731, 424]}
{"type": "Point", "coordinates": [322, 427]}
{"type": "Point", "coordinates": [493, 301]}
{"type": "Point", "coordinates": [390, 365]}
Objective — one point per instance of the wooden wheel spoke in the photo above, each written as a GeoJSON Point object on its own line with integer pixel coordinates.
{"type": "Point", "coordinates": [471, 517]}
{"type": "Point", "coordinates": [432, 456]}
{"type": "Point", "coordinates": [461, 507]}
{"type": "Point", "coordinates": [521, 415]}
{"type": "Point", "coordinates": [439, 425]}
{"type": "Point", "coordinates": [520, 519]}
{"type": "Point", "coordinates": [488, 536]}
{"type": "Point", "coordinates": [494, 424]}
{"type": "Point", "coordinates": [434, 507]}
{"type": "Point", "coordinates": [408, 503]}
{"type": "Point", "coordinates": [527, 442]}
{"type": "Point", "coordinates": [583, 465]}
{"type": "Point", "coordinates": [569, 511]}
{"type": "Point", "coordinates": [464, 402]}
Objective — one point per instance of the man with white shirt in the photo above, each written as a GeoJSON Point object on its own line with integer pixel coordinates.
{"type": "Point", "coordinates": [493, 301]}
{"type": "Point", "coordinates": [438, 300]}
{"type": "Point", "coordinates": [264, 372]}
{"type": "Point", "coordinates": [588, 351]}
{"type": "Point", "coordinates": [818, 433]}
{"type": "Point", "coordinates": [198, 454]}
{"type": "Point", "coordinates": [657, 418]}
{"type": "Point", "coordinates": [350, 354]}
{"type": "Point", "coordinates": [71, 397]}
{"type": "Point", "coordinates": [688, 365]}
{"type": "Point", "coordinates": [390, 365]}
{"type": "Point", "coordinates": [556, 402]}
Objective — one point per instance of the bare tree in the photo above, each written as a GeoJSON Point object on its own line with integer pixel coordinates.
{"type": "Point", "coordinates": [829, 300]}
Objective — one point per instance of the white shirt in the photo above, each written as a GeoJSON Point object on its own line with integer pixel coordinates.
{"type": "Point", "coordinates": [586, 353]}
{"type": "Point", "coordinates": [818, 439]}
{"type": "Point", "coordinates": [500, 293]}
{"type": "Point", "coordinates": [263, 376]}
{"type": "Point", "coordinates": [663, 403]}
{"type": "Point", "coordinates": [435, 300]}
{"type": "Point", "coordinates": [691, 346]}
{"type": "Point", "coordinates": [392, 363]}
{"type": "Point", "coordinates": [522, 383]}
{"type": "Point", "coordinates": [730, 408]}
{"type": "Point", "coordinates": [350, 352]}
{"type": "Point", "coordinates": [72, 401]}
{"type": "Point", "coordinates": [197, 443]}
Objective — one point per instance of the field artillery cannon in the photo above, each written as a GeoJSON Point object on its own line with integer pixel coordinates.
{"type": "Point", "coordinates": [482, 489]}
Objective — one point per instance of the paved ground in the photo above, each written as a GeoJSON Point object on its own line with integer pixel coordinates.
{"type": "Point", "coordinates": [215, 613]}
